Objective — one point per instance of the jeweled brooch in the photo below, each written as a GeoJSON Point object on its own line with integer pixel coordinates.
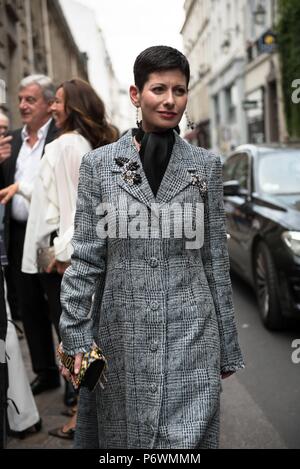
{"type": "Point", "coordinates": [201, 183]}
{"type": "Point", "coordinates": [129, 170]}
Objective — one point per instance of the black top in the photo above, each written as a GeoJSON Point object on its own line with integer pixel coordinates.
{"type": "Point", "coordinates": [155, 152]}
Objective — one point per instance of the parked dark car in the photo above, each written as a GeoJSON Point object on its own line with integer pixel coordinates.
{"type": "Point", "coordinates": [262, 205]}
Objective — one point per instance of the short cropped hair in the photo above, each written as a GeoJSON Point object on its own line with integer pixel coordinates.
{"type": "Point", "coordinates": [44, 82]}
{"type": "Point", "coordinates": [157, 59]}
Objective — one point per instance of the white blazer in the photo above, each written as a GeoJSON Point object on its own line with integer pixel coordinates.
{"type": "Point", "coordinates": [53, 200]}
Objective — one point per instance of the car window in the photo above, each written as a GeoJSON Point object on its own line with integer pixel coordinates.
{"type": "Point", "coordinates": [229, 167]}
{"type": "Point", "coordinates": [279, 173]}
{"type": "Point", "coordinates": [236, 167]}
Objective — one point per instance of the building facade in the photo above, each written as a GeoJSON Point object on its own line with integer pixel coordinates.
{"type": "Point", "coordinates": [235, 91]}
{"type": "Point", "coordinates": [90, 39]}
{"type": "Point", "coordinates": [35, 38]}
{"type": "Point", "coordinates": [197, 40]}
{"type": "Point", "coordinates": [226, 85]}
{"type": "Point", "coordinates": [263, 88]}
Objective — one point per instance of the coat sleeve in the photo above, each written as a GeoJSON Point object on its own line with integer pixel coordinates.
{"type": "Point", "coordinates": [88, 263]}
{"type": "Point", "coordinates": [216, 266]}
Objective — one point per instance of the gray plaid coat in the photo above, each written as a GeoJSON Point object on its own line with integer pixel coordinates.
{"type": "Point", "coordinates": [162, 314]}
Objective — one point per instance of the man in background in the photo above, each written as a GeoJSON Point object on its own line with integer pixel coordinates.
{"type": "Point", "coordinates": [17, 176]}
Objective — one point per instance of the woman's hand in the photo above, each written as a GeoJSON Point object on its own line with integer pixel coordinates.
{"type": "Point", "coordinates": [72, 377]}
{"type": "Point", "coordinates": [51, 267]}
{"type": "Point", "coordinates": [57, 266]}
{"type": "Point", "coordinates": [8, 192]}
{"type": "Point", "coordinates": [5, 148]}
{"type": "Point", "coordinates": [77, 365]}
{"type": "Point", "coordinates": [61, 267]}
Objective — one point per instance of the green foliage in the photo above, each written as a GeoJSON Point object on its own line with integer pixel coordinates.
{"type": "Point", "coordinates": [288, 30]}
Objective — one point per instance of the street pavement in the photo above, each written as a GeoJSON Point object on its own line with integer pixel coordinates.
{"type": "Point", "coordinates": [50, 404]}
{"type": "Point", "coordinates": [244, 424]}
{"type": "Point", "coordinates": [264, 398]}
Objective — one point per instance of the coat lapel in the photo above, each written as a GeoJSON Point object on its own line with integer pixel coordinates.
{"type": "Point", "coordinates": [179, 172]}
{"type": "Point", "coordinates": [177, 177]}
{"type": "Point", "coordinates": [141, 191]}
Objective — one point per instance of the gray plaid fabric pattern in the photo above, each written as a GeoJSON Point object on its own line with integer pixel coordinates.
{"type": "Point", "coordinates": [162, 314]}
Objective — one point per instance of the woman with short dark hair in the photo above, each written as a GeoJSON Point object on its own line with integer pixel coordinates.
{"type": "Point", "coordinates": [150, 250]}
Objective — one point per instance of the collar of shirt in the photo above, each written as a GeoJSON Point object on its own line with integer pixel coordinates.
{"type": "Point", "coordinates": [42, 132]}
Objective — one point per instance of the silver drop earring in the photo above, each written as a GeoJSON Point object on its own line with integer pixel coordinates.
{"type": "Point", "coordinates": [137, 117]}
{"type": "Point", "coordinates": [190, 124]}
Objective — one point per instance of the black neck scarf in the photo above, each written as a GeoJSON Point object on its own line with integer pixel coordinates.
{"type": "Point", "coordinates": [155, 152]}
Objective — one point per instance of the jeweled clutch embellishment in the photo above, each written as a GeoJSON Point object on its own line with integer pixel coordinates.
{"type": "Point", "coordinates": [129, 170]}
{"type": "Point", "coordinates": [201, 183]}
{"type": "Point", "coordinates": [121, 161]}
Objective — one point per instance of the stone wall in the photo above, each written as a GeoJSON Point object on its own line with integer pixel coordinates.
{"type": "Point", "coordinates": [35, 38]}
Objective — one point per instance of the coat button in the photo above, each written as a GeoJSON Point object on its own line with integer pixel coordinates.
{"type": "Point", "coordinates": [153, 262]}
{"type": "Point", "coordinates": [153, 388]}
{"type": "Point", "coordinates": [154, 305]}
{"type": "Point", "coordinates": [154, 346]}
